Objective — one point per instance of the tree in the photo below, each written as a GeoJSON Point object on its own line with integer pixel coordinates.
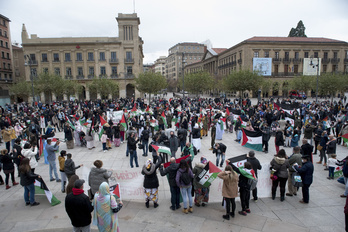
{"type": "Point", "coordinates": [71, 88]}
{"type": "Point", "coordinates": [243, 80]}
{"type": "Point", "coordinates": [266, 86]}
{"type": "Point", "coordinates": [302, 83]}
{"type": "Point", "coordinates": [21, 89]}
{"type": "Point", "coordinates": [150, 83]}
{"type": "Point", "coordinates": [299, 31]}
{"type": "Point", "coordinates": [103, 86]}
{"type": "Point", "coordinates": [198, 82]}
{"type": "Point", "coordinates": [332, 83]}
{"type": "Point", "coordinates": [48, 84]}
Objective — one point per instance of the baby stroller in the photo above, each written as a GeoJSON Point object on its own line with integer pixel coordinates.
{"type": "Point", "coordinates": [83, 141]}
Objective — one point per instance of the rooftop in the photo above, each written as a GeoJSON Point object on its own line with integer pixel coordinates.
{"type": "Point", "coordinates": [293, 39]}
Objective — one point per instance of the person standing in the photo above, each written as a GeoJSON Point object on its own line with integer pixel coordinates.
{"type": "Point", "coordinates": [61, 160]}
{"type": "Point", "coordinates": [229, 190]}
{"type": "Point", "coordinates": [317, 137]}
{"type": "Point", "coordinates": [171, 170]}
{"type": "Point", "coordinates": [173, 143]}
{"type": "Point", "coordinates": [323, 141]}
{"type": "Point", "coordinates": [255, 163]}
{"type": "Point", "coordinates": [307, 149]}
{"type": "Point", "coordinates": [30, 152]}
{"type": "Point", "coordinates": [145, 135]}
{"type": "Point", "coordinates": [196, 137]}
{"type": "Point", "coordinates": [27, 181]}
{"type": "Point", "coordinates": [79, 208]}
{"type": "Point", "coordinates": [182, 136]}
{"type": "Point", "coordinates": [184, 182]}
{"type": "Point", "coordinates": [294, 158]}
{"type": "Point", "coordinates": [280, 165]}
{"type": "Point", "coordinates": [306, 172]}
{"type": "Point", "coordinates": [213, 135]}
{"type": "Point", "coordinates": [266, 135]}
{"type": "Point", "coordinates": [132, 147]}
{"type": "Point", "coordinates": [279, 139]}
{"type": "Point", "coordinates": [151, 181]}
{"type": "Point", "coordinates": [69, 136]}
{"type": "Point", "coordinates": [201, 192]}
{"type": "Point", "coordinates": [97, 176]}
{"type": "Point", "coordinates": [8, 167]}
{"type": "Point", "coordinates": [6, 135]}
{"type": "Point", "coordinates": [69, 166]}
{"type": "Point", "coordinates": [51, 158]}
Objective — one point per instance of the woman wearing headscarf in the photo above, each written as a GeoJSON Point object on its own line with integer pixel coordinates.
{"type": "Point", "coordinates": [201, 192]}
{"type": "Point", "coordinates": [105, 210]}
{"type": "Point", "coordinates": [151, 181]}
{"type": "Point", "coordinates": [196, 137]}
{"type": "Point", "coordinates": [229, 190]}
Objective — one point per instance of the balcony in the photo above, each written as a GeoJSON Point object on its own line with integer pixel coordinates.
{"type": "Point", "coordinates": [276, 60]}
{"type": "Point", "coordinates": [129, 61]}
{"type": "Point", "coordinates": [129, 75]}
{"type": "Point", "coordinates": [90, 60]}
{"type": "Point", "coordinates": [345, 60]}
{"type": "Point", "coordinates": [286, 60]}
{"type": "Point", "coordinates": [80, 77]}
{"type": "Point", "coordinates": [325, 60]}
{"type": "Point", "coordinates": [240, 61]}
{"type": "Point", "coordinates": [67, 60]}
{"type": "Point", "coordinates": [296, 60]}
{"type": "Point", "coordinates": [44, 61]}
{"type": "Point", "coordinates": [113, 61]}
{"type": "Point", "coordinates": [90, 76]}
{"type": "Point", "coordinates": [32, 62]}
{"type": "Point", "coordinates": [68, 77]}
{"type": "Point", "coordinates": [78, 60]}
{"type": "Point", "coordinates": [56, 60]}
{"type": "Point", "coordinates": [114, 76]}
{"type": "Point", "coordinates": [335, 60]}
{"type": "Point", "coordinates": [286, 74]}
{"type": "Point", "coordinates": [103, 76]}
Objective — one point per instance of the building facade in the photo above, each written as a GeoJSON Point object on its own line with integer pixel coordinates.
{"type": "Point", "coordinates": [160, 65]}
{"type": "Point", "coordinates": [18, 63]}
{"type": "Point", "coordinates": [84, 58]}
{"type": "Point", "coordinates": [287, 53]}
{"type": "Point", "coordinates": [6, 71]}
{"type": "Point", "coordinates": [180, 55]}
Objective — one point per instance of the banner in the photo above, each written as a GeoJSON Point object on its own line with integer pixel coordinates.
{"type": "Point", "coordinates": [310, 66]}
{"type": "Point", "coordinates": [263, 66]}
{"type": "Point", "coordinates": [115, 116]}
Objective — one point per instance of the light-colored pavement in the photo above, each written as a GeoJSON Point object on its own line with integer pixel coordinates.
{"type": "Point", "coordinates": [324, 212]}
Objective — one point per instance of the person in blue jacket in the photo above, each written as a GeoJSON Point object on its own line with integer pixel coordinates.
{"type": "Point", "coordinates": [306, 172]}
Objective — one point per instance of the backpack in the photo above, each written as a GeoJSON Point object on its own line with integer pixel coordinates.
{"type": "Point", "coordinates": [181, 137]}
{"type": "Point", "coordinates": [185, 178]}
{"type": "Point", "coordinates": [145, 135]}
{"type": "Point", "coordinates": [195, 150]}
{"type": "Point", "coordinates": [150, 147]}
{"type": "Point", "coordinates": [251, 184]}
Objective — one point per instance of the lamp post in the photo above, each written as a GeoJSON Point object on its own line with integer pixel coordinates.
{"type": "Point", "coordinates": [183, 75]}
{"type": "Point", "coordinates": [31, 75]}
{"type": "Point", "coordinates": [316, 65]}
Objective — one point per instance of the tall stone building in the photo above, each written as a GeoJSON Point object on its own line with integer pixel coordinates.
{"type": "Point", "coordinates": [285, 58]}
{"type": "Point", "coordinates": [160, 65]}
{"type": "Point", "coordinates": [180, 55]}
{"type": "Point", "coordinates": [6, 73]}
{"type": "Point", "coordinates": [84, 58]}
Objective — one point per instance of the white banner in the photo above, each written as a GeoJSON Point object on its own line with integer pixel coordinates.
{"type": "Point", "coordinates": [115, 116]}
{"type": "Point", "coordinates": [263, 66]}
{"type": "Point", "coordinates": [310, 66]}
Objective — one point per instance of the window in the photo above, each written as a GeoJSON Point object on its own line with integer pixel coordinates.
{"type": "Point", "coordinates": [6, 44]}
{"type": "Point", "coordinates": [1, 43]}
{"type": "Point", "coordinates": [129, 56]}
{"type": "Point", "coordinates": [335, 55]}
{"type": "Point", "coordinates": [10, 76]}
{"type": "Point", "coordinates": [68, 71]}
{"type": "Point", "coordinates": [79, 71]}
{"type": "Point", "coordinates": [256, 54]}
{"type": "Point", "coordinates": [324, 68]}
{"type": "Point", "coordinates": [91, 71]}
{"type": "Point", "coordinates": [102, 71]}
{"type": "Point", "coordinates": [297, 55]}
{"type": "Point", "coordinates": [102, 56]}
{"type": "Point", "coordinates": [8, 55]}
{"type": "Point", "coordinates": [286, 56]}
{"type": "Point", "coordinates": [266, 54]}
{"type": "Point", "coordinates": [90, 56]}
{"type": "Point", "coordinates": [276, 55]}
{"type": "Point", "coordinates": [316, 55]}
{"type": "Point", "coordinates": [0, 32]}
{"type": "Point", "coordinates": [113, 56]}
{"type": "Point", "coordinates": [5, 33]}
{"type": "Point", "coordinates": [286, 69]}
{"type": "Point", "coordinates": [57, 71]}
{"type": "Point", "coordinates": [295, 68]}
{"type": "Point", "coordinates": [9, 66]}
{"type": "Point", "coordinates": [45, 70]}
{"type": "Point", "coordinates": [44, 57]}
{"type": "Point", "coordinates": [129, 70]}
{"type": "Point", "coordinates": [3, 55]}
{"type": "Point", "coordinates": [33, 72]}
{"type": "Point", "coordinates": [114, 71]}
{"type": "Point", "coordinates": [334, 68]}
{"type": "Point", "coordinates": [55, 57]}
{"type": "Point", "coordinates": [32, 57]}
{"type": "Point", "coordinates": [79, 56]}
{"type": "Point", "coordinates": [325, 55]}
{"type": "Point", "coordinates": [67, 57]}
{"type": "Point", "coordinates": [275, 69]}
{"type": "Point", "coordinates": [306, 55]}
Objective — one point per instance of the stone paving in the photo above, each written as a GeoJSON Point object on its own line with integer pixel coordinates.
{"type": "Point", "coordinates": [324, 213]}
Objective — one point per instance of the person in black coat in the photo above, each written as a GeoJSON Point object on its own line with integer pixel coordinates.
{"type": "Point", "coordinates": [306, 172]}
{"type": "Point", "coordinates": [255, 163]}
{"type": "Point", "coordinates": [174, 189]}
{"type": "Point", "coordinates": [279, 139]}
{"type": "Point", "coordinates": [132, 147]}
{"type": "Point", "coordinates": [17, 153]}
{"type": "Point", "coordinates": [8, 167]}
{"type": "Point", "coordinates": [151, 181]}
{"type": "Point", "coordinates": [307, 149]}
{"type": "Point", "coordinates": [266, 135]}
{"type": "Point", "coordinates": [27, 181]}
{"type": "Point", "coordinates": [79, 207]}
{"type": "Point", "coordinates": [182, 136]}
{"type": "Point", "coordinates": [220, 150]}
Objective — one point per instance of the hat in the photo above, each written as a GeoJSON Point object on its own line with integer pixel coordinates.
{"type": "Point", "coordinates": [79, 183]}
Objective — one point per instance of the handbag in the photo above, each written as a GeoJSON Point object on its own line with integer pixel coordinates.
{"type": "Point", "coordinates": [141, 146]}
{"type": "Point", "coordinates": [296, 180]}
{"type": "Point", "coordinates": [118, 207]}
{"type": "Point", "coordinates": [319, 148]}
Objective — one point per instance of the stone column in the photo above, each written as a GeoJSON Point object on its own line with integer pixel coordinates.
{"type": "Point", "coordinates": [54, 97]}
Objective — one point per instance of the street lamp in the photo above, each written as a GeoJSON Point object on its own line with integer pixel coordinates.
{"type": "Point", "coordinates": [316, 65]}
{"type": "Point", "coordinates": [183, 74]}
{"type": "Point", "coordinates": [27, 57]}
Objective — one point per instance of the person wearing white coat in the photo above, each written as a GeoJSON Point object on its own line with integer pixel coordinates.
{"type": "Point", "coordinates": [30, 153]}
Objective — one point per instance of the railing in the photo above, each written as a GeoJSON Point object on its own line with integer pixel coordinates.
{"type": "Point", "coordinates": [56, 60]}
{"type": "Point", "coordinates": [44, 61]}
{"type": "Point", "coordinates": [286, 60]}
{"type": "Point", "coordinates": [67, 60]}
{"type": "Point", "coordinates": [68, 77]}
{"type": "Point", "coordinates": [90, 60]}
{"type": "Point", "coordinates": [113, 61]}
{"type": "Point", "coordinates": [90, 76]}
{"type": "Point", "coordinates": [276, 60]}
{"type": "Point", "coordinates": [114, 76]}
{"type": "Point", "coordinates": [128, 60]}
{"type": "Point", "coordinates": [129, 76]}
{"type": "Point", "coordinates": [286, 74]}
{"type": "Point", "coordinates": [33, 62]}
{"type": "Point", "coordinates": [80, 77]}
{"type": "Point", "coordinates": [103, 76]}
{"type": "Point", "coordinates": [335, 60]}
{"type": "Point", "coordinates": [297, 60]}
{"type": "Point", "coordinates": [79, 60]}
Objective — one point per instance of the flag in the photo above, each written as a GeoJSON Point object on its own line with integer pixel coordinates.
{"type": "Point", "coordinates": [345, 138]}
{"type": "Point", "coordinates": [115, 190]}
{"type": "Point", "coordinates": [101, 128]}
{"type": "Point", "coordinates": [41, 147]}
{"type": "Point", "coordinates": [208, 174]}
{"type": "Point", "coordinates": [290, 118]}
{"type": "Point", "coordinates": [289, 108]}
{"type": "Point", "coordinates": [83, 122]}
{"type": "Point", "coordinates": [123, 122]}
{"type": "Point", "coordinates": [70, 123]}
{"type": "Point", "coordinates": [252, 139]}
{"type": "Point", "coordinates": [162, 149]}
{"type": "Point", "coordinates": [249, 173]}
{"type": "Point", "coordinates": [243, 124]}
{"type": "Point", "coordinates": [325, 119]}
{"type": "Point", "coordinates": [163, 116]}
{"type": "Point", "coordinates": [134, 108]}
{"type": "Point", "coordinates": [76, 117]}
{"type": "Point", "coordinates": [165, 165]}
{"type": "Point", "coordinates": [238, 161]}
{"type": "Point", "coordinates": [227, 112]}
{"type": "Point", "coordinates": [147, 109]}
{"type": "Point", "coordinates": [41, 188]}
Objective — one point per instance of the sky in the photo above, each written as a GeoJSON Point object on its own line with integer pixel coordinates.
{"type": "Point", "coordinates": [165, 23]}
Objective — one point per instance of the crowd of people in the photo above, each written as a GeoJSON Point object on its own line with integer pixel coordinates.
{"type": "Point", "coordinates": [178, 124]}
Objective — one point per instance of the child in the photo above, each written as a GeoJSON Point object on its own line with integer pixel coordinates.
{"type": "Point", "coordinates": [69, 166]}
{"type": "Point", "coordinates": [61, 160]}
{"type": "Point", "coordinates": [103, 139]}
{"type": "Point", "coordinates": [331, 163]}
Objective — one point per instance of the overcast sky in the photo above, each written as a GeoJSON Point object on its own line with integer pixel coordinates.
{"type": "Point", "coordinates": [165, 23]}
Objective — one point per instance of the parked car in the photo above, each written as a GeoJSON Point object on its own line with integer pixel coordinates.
{"type": "Point", "coordinates": [297, 94]}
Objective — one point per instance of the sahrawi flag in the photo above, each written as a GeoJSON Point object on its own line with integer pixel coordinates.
{"type": "Point", "coordinates": [238, 161]}
{"type": "Point", "coordinates": [163, 116]}
{"type": "Point", "coordinates": [41, 188]}
{"type": "Point", "coordinates": [208, 174]}
{"type": "Point", "coordinates": [115, 190]}
{"type": "Point", "coordinates": [162, 149]}
{"type": "Point", "coordinates": [70, 123]}
{"type": "Point", "coordinates": [252, 139]}
{"type": "Point", "coordinates": [345, 138]}
{"type": "Point", "coordinates": [101, 128]}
